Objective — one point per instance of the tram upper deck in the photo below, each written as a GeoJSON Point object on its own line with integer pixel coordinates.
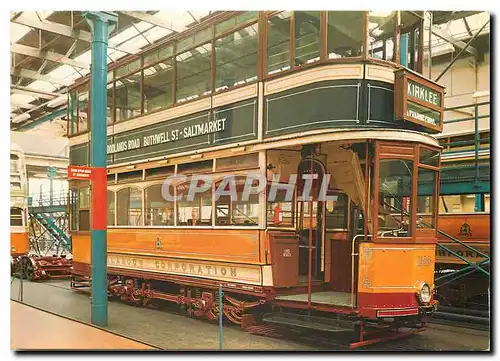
{"type": "Point", "coordinates": [243, 78]}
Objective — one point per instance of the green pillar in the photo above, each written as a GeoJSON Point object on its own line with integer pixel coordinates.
{"type": "Point", "coordinates": [100, 24]}
{"type": "Point", "coordinates": [479, 203]}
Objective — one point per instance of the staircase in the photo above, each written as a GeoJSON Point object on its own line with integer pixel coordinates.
{"type": "Point", "coordinates": [56, 233]}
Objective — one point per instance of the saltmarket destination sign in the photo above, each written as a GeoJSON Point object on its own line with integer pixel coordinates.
{"type": "Point", "coordinates": [418, 100]}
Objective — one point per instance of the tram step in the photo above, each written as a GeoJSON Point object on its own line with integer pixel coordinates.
{"type": "Point", "coordinates": [309, 322]}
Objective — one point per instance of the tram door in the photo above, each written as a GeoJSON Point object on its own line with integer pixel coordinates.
{"type": "Point", "coordinates": [310, 214]}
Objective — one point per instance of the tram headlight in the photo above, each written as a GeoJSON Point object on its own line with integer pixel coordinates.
{"type": "Point", "coordinates": [424, 293]}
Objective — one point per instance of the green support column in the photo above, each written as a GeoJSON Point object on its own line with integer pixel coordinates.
{"type": "Point", "coordinates": [100, 24]}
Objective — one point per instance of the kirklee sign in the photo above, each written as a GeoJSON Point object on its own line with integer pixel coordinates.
{"type": "Point", "coordinates": [418, 100]}
{"type": "Point", "coordinates": [191, 131]}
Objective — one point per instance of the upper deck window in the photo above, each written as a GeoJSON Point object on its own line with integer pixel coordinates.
{"type": "Point", "coordinates": [128, 96]}
{"type": "Point", "coordinates": [381, 32]}
{"type": "Point", "coordinates": [158, 86]}
{"type": "Point", "coordinates": [193, 73]}
{"type": "Point", "coordinates": [307, 36]}
{"type": "Point", "coordinates": [344, 34]}
{"type": "Point", "coordinates": [236, 58]}
{"type": "Point", "coordinates": [278, 42]}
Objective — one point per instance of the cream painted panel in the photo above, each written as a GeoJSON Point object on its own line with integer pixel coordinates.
{"type": "Point", "coordinates": [329, 72]}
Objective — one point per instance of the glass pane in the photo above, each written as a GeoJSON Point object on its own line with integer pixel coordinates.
{"type": "Point", "coordinates": [73, 209]}
{"type": "Point", "coordinates": [198, 38]}
{"type": "Point", "coordinates": [193, 73]}
{"type": "Point", "coordinates": [394, 198]}
{"type": "Point", "coordinates": [238, 162]}
{"type": "Point", "coordinates": [84, 220]}
{"type": "Point", "coordinates": [83, 111]}
{"type": "Point", "coordinates": [247, 16]}
{"type": "Point", "coordinates": [111, 208]}
{"type": "Point", "coordinates": [381, 31]}
{"type": "Point", "coordinates": [16, 217]}
{"type": "Point", "coordinates": [128, 97]}
{"type": "Point", "coordinates": [236, 212]}
{"type": "Point", "coordinates": [426, 206]}
{"type": "Point", "coordinates": [429, 157]}
{"type": "Point", "coordinates": [278, 42]}
{"type": "Point", "coordinates": [344, 34]}
{"type": "Point", "coordinates": [307, 37]}
{"type": "Point", "coordinates": [279, 210]}
{"type": "Point", "coordinates": [129, 207]}
{"type": "Point", "coordinates": [336, 213]}
{"type": "Point", "coordinates": [159, 212]}
{"type": "Point", "coordinates": [236, 58]}
{"type": "Point", "coordinates": [109, 104]}
{"type": "Point", "coordinates": [225, 26]}
{"type": "Point", "coordinates": [84, 198]}
{"type": "Point", "coordinates": [197, 212]}
{"type": "Point", "coordinates": [158, 86]}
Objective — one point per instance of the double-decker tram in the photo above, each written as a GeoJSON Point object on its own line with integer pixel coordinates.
{"type": "Point", "coordinates": [19, 234]}
{"type": "Point", "coordinates": [285, 156]}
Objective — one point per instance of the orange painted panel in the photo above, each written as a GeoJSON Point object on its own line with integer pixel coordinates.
{"type": "Point", "coordinates": [388, 268]}
{"type": "Point", "coordinates": [81, 247]}
{"type": "Point", "coordinates": [472, 227]}
{"type": "Point", "coordinates": [19, 243]}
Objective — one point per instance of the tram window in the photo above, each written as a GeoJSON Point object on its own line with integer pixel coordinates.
{"type": "Point", "coordinates": [429, 157]}
{"type": "Point", "coordinates": [236, 58]}
{"type": "Point", "coordinates": [196, 167]}
{"type": "Point", "coordinates": [129, 176]}
{"type": "Point", "coordinates": [344, 34]}
{"type": "Point", "coordinates": [84, 198]}
{"type": "Point", "coordinates": [382, 27]}
{"type": "Point", "coordinates": [157, 86]}
{"type": "Point", "coordinates": [109, 104]}
{"type": "Point", "coordinates": [394, 212]}
{"type": "Point", "coordinates": [197, 212]}
{"type": "Point", "coordinates": [128, 97]}
{"type": "Point", "coordinates": [111, 208]}
{"type": "Point", "coordinates": [307, 36]}
{"type": "Point", "coordinates": [280, 213]}
{"type": "Point", "coordinates": [84, 220]}
{"type": "Point", "coordinates": [16, 216]}
{"type": "Point", "coordinates": [238, 162]}
{"type": "Point", "coordinates": [14, 163]}
{"type": "Point", "coordinates": [111, 178]}
{"type": "Point", "coordinates": [193, 73]}
{"type": "Point", "coordinates": [336, 213]}
{"type": "Point", "coordinates": [237, 212]}
{"type": "Point", "coordinates": [73, 209]}
{"type": "Point", "coordinates": [160, 172]}
{"type": "Point", "coordinates": [159, 211]}
{"type": "Point", "coordinates": [426, 199]}
{"type": "Point", "coordinates": [129, 207]}
{"type": "Point", "coordinates": [278, 42]}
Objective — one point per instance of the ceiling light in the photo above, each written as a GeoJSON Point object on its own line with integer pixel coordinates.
{"type": "Point", "coordinates": [21, 118]}
{"type": "Point", "coordinates": [57, 101]}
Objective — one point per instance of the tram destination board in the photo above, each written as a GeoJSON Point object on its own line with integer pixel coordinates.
{"type": "Point", "coordinates": [418, 100]}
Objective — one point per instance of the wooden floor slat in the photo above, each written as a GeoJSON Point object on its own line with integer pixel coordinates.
{"type": "Point", "coordinates": [34, 329]}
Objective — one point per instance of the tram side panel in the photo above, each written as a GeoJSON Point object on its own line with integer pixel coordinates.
{"type": "Point", "coordinates": [236, 255]}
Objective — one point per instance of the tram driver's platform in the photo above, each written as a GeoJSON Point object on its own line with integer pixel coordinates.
{"type": "Point", "coordinates": [325, 297]}
{"type": "Point", "coordinates": [33, 329]}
